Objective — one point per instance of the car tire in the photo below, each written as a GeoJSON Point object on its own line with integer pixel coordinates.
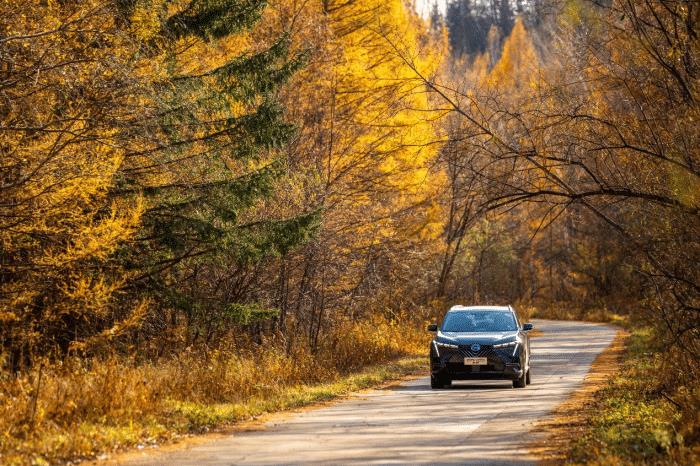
{"type": "Point", "coordinates": [439, 382]}
{"type": "Point", "coordinates": [527, 378]}
{"type": "Point", "coordinates": [520, 382]}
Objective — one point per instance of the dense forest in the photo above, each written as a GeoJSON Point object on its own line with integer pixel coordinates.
{"type": "Point", "coordinates": [202, 199]}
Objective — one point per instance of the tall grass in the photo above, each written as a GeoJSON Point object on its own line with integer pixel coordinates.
{"type": "Point", "coordinates": [80, 408]}
{"type": "Point", "coordinates": [636, 419]}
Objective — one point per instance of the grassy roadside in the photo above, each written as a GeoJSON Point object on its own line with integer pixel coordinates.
{"type": "Point", "coordinates": [77, 409]}
{"type": "Point", "coordinates": [632, 420]}
{"type": "Point", "coordinates": [91, 440]}
{"type": "Point", "coordinates": [621, 415]}
{"type": "Point", "coordinates": [199, 417]}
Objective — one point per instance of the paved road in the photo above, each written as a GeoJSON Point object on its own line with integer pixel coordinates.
{"type": "Point", "coordinates": [480, 423]}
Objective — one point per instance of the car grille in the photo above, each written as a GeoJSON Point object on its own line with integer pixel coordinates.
{"type": "Point", "coordinates": [487, 351]}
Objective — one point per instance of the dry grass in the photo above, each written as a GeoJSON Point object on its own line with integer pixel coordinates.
{"type": "Point", "coordinates": [80, 409]}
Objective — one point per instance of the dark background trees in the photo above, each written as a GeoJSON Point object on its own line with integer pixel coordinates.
{"type": "Point", "coordinates": [470, 22]}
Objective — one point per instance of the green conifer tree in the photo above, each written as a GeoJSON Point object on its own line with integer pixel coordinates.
{"type": "Point", "coordinates": [219, 133]}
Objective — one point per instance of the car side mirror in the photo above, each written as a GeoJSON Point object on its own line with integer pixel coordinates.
{"type": "Point", "coordinates": [432, 328]}
{"type": "Point", "coordinates": [527, 327]}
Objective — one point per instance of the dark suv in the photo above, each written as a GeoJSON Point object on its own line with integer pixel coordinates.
{"type": "Point", "coordinates": [480, 342]}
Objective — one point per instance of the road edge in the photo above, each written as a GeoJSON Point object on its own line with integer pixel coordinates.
{"type": "Point", "coordinates": [555, 434]}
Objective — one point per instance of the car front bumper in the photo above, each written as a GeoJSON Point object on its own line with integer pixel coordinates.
{"type": "Point", "coordinates": [502, 364]}
{"type": "Point", "coordinates": [476, 372]}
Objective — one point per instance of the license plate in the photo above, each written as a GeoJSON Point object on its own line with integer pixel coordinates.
{"type": "Point", "coordinates": [475, 361]}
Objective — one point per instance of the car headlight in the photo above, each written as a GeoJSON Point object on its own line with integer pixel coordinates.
{"type": "Point", "coordinates": [510, 344]}
{"type": "Point", "coordinates": [446, 345]}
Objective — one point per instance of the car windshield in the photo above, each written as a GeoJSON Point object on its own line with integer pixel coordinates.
{"type": "Point", "coordinates": [479, 321]}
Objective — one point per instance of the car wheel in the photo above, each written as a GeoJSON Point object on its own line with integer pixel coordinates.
{"type": "Point", "coordinates": [520, 382]}
{"type": "Point", "coordinates": [438, 382]}
{"type": "Point", "coordinates": [527, 378]}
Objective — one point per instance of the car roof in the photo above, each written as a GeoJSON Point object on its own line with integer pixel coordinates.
{"type": "Point", "coordinates": [459, 307]}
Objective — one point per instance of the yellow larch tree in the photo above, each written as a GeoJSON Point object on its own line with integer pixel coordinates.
{"type": "Point", "coordinates": [380, 187]}
{"type": "Point", "coordinates": [63, 147]}
{"type": "Point", "coordinates": [517, 67]}
{"type": "Point", "coordinates": [365, 154]}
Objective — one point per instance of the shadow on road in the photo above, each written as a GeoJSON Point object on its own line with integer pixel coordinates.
{"type": "Point", "coordinates": [457, 385]}
{"type": "Point", "coordinates": [471, 386]}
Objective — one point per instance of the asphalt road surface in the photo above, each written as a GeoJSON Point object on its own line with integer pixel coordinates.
{"type": "Point", "coordinates": [480, 423]}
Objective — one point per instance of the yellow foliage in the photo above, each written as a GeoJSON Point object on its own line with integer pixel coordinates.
{"type": "Point", "coordinates": [387, 125]}
{"type": "Point", "coordinates": [145, 20]}
{"type": "Point", "coordinates": [517, 69]}
{"type": "Point", "coordinates": [63, 152]}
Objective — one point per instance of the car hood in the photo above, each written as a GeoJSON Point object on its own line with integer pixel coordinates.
{"type": "Point", "coordinates": [488, 338]}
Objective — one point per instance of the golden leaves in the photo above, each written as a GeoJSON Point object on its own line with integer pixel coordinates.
{"type": "Point", "coordinates": [145, 20]}
{"type": "Point", "coordinates": [131, 322]}
{"type": "Point", "coordinates": [517, 69]}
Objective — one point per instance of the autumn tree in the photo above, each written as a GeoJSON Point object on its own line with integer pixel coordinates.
{"type": "Point", "coordinates": [517, 66]}
{"type": "Point", "coordinates": [605, 133]}
{"type": "Point", "coordinates": [160, 136]}
{"type": "Point", "coordinates": [67, 91]}
{"type": "Point", "coordinates": [364, 157]}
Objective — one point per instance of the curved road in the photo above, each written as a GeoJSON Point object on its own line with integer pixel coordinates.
{"type": "Point", "coordinates": [484, 423]}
